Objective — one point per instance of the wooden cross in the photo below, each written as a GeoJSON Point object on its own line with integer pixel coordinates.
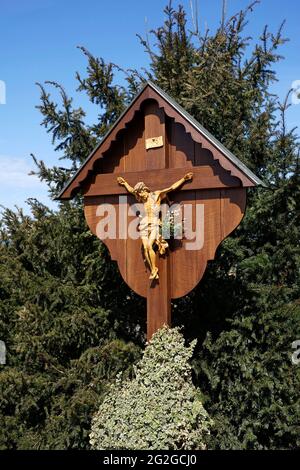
{"type": "Point", "coordinates": [157, 142]}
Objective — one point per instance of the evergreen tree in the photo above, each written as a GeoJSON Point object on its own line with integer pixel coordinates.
{"type": "Point", "coordinates": [61, 328]}
{"type": "Point", "coordinates": [69, 322]}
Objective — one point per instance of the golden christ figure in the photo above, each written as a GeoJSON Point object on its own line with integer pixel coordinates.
{"type": "Point", "coordinates": [150, 222]}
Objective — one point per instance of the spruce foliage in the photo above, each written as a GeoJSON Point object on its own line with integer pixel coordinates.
{"type": "Point", "coordinates": [69, 322]}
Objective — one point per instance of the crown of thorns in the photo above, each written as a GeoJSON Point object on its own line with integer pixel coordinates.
{"type": "Point", "coordinates": [140, 186]}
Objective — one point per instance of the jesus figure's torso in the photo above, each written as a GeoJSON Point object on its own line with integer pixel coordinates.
{"type": "Point", "coordinates": [151, 216]}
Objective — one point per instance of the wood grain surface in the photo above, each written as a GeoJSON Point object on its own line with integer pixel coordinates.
{"type": "Point", "coordinates": [213, 194]}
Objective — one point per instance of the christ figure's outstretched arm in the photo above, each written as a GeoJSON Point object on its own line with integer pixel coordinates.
{"type": "Point", "coordinates": [124, 183]}
{"type": "Point", "coordinates": [176, 185]}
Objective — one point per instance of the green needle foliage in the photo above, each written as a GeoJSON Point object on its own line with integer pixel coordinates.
{"type": "Point", "coordinates": [159, 408]}
{"type": "Point", "coordinates": [64, 343]}
{"type": "Point", "coordinates": [252, 384]}
{"type": "Point", "coordinates": [69, 322]}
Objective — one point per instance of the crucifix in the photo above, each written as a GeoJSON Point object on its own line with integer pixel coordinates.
{"type": "Point", "coordinates": [150, 224]}
{"type": "Point", "coordinates": [154, 149]}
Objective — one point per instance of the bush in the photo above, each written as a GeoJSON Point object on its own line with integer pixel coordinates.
{"type": "Point", "coordinates": [160, 408]}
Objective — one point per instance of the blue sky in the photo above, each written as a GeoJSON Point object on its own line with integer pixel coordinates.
{"type": "Point", "coordinates": [38, 40]}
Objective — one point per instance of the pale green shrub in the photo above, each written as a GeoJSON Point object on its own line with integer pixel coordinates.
{"type": "Point", "coordinates": [160, 408]}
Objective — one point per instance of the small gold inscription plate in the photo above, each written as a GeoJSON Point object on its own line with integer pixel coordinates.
{"type": "Point", "coordinates": [154, 142]}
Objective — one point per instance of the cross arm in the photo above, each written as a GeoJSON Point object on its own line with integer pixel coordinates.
{"type": "Point", "coordinates": [176, 185]}
{"type": "Point", "coordinates": [203, 178]}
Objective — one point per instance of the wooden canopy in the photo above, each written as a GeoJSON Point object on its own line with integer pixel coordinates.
{"type": "Point", "coordinates": [174, 111]}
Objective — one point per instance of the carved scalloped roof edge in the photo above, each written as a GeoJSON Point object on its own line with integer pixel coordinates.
{"type": "Point", "coordinates": [231, 157]}
{"type": "Point", "coordinates": [209, 136]}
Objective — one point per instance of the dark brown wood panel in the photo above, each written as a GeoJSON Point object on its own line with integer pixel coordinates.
{"type": "Point", "coordinates": [233, 206]}
{"type": "Point", "coordinates": [204, 156]}
{"type": "Point", "coordinates": [166, 109]}
{"type": "Point", "coordinates": [125, 251]}
{"type": "Point", "coordinates": [192, 257]}
{"type": "Point", "coordinates": [216, 198]}
{"type": "Point", "coordinates": [158, 299]}
{"type": "Point", "coordinates": [135, 152]}
{"type": "Point", "coordinates": [155, 127]}
{"type": "Point", "coordinates": [158, 179]}
{"type": "Point", "coordinates": [223, 211]}
{"type": "Point", "coordinates": [181, 147]}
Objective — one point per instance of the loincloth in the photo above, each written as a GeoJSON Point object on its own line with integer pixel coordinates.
{"type": "Point", "coordinates": [147, 229]}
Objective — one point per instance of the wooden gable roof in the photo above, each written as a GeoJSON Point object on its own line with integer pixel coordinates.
{"type": "Point", "coordinates": [172, 109]}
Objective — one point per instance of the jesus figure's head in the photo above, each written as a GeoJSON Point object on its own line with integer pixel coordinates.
{"type": "Point", "coordinates": [141, 192]}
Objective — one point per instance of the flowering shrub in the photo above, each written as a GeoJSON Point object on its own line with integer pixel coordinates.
{"type": "Point", "coordinates": [172, 224]}
{"type": "Point", "coordinates": [160, 408]}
